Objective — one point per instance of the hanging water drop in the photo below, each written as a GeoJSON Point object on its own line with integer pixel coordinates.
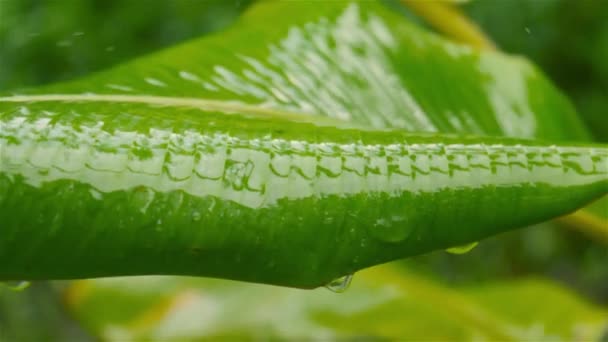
{"type": "Point", "coordinates": [19, 285]}
{"type": "Point", "coordinates": [462, 249]}
{"type": "Point", "coordinates": [341, 284]}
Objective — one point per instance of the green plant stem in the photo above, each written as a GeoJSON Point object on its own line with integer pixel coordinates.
{"type": "Point", "coordinates": [591, 225]}
{"type": "Point", "coordinates": [449, 20]}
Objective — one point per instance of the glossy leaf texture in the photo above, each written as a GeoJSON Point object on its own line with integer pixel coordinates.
{"type": "Point", "coordinates": [351, 61]}
{"type": "Point", "coordinates": [381, 304]}
{"type": "Point", "coordinates": [552, 35]}
{"type": "Point", "coordinates": [264, 154]}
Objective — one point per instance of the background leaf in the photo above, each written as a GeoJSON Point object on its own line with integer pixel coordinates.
{"type": "Point", "coordinates": [568, 39]}
{"type": "Point", "coordinates": [355, 62]}
{"type": "Point", "coordinates": [381, 304]}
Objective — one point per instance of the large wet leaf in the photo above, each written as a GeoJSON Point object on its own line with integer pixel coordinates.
{"type": "Point", "coordinates": [150, 149]}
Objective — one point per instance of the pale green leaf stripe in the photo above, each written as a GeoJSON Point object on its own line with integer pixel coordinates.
{"type": "Point", "coordinates": [228, 107]}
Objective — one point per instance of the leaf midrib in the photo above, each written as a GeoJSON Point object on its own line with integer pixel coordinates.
{"type": "Point", "coordinates": [208, 105]}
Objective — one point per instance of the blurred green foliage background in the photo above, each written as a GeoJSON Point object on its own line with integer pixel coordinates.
{"type": "Point", "coordinates": [49, 41]}
{"type": "Point", "coordinates": [568, 39]}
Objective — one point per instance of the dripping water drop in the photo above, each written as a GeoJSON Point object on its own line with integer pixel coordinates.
{"type": "Point", "coordinates": [18, 285]}
{"type": "Point", "coordinates": [462, 249]}
{"type": "Point", "coordinates": [340, 285]}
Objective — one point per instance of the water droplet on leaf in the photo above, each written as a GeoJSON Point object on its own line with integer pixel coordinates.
{"type": "Point", "coordinates": [341, 284]}
{"type": "Point", "coordinates": [196, 216]}
{"type": "Point", "coordinates": [391, 229]}
{"type": "Point", "coordinates": [462, 249]}
{"type": "Point", "coordinates": [96, 194]}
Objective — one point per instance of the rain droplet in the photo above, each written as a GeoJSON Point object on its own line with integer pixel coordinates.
{"type": "Point", "coordinates": [328, 220]}
{"type": "Point", "coordinates": [18, 285]}
{"type": "Point", "coordinates": [96, 194]}
{"type": "Point", "coordinates": [64, 43]}
{"type": "Point", "coordinates": [196, 216]}
{"type": "Point", "coordinates": [462, 249]}
{"type": "Point", "coordinates": [391, 229]}
{"type": "Point", "coordinates": [340, 285]}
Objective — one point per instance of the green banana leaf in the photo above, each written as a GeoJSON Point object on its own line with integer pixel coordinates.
{"type": "Point", "coordinates": [105, 145]}
{"type": "Point", "coordinates": [366, 66]}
